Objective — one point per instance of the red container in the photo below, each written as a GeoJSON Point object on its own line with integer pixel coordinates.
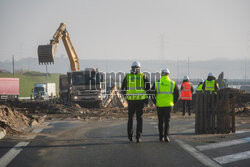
{"type": "Point", "coordinates": [9, 86]}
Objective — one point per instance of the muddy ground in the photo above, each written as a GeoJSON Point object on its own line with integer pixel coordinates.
{"type": "Point", "coordinates": [18, 117]}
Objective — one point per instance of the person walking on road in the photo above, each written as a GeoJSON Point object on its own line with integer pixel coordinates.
{"type": "Point", "coordinates": [135, 87]}
{"type": "Point", "coordinates": [210, 85]}
{"type": "Point", "coordinates": [164, 94]}
{"type": "Point", "coordinates": [186, 95]}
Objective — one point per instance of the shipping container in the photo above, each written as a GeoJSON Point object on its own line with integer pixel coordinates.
{"type": "Point", "coordinates": [9, 88]}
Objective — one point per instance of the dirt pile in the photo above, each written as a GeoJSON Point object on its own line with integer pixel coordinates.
{"type": "Point", "coordinates": [13, 121]}
{"type": "Point", "coordinates": [245, 111]}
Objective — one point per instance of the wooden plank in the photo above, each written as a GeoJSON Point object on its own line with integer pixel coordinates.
{"type": "Point", "coordinates": [197, 113]}
{"type": "Point", "coordinates": [233, 114]}
{"type": "Point", "coordinates": [222, 113]}
{"type": "Point", "coordinates": [226, 113]}
{"type": "Point", "coordinates": [230, 113]}
{"type": "Point", "coordinates": [205, 112]}
{"type": "Point", "coordinates": [216, 112]}
{"type": "Point", "coordinates": [208, 112]}
{"type": "Point", "coordinates": [218, 115]}
{"type": "Point", "coordinates": [213, 114]}
{"type": "Point", "coordinates": [201, 113]}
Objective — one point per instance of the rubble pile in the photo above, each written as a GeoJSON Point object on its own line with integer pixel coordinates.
{"type": "Point", "coordinates": [12, 120]}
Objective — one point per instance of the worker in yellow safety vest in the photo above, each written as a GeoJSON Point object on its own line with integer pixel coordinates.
{"type": "Point", "coordinates": [210, 85]}
{"type": "Point", "coordinates": [199, 87]}
{"type": "Point", "coordinates": [135, 87]}
{"type": "Point", "coordinates": [165, 94]}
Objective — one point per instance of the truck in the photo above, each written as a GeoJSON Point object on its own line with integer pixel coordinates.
{"type": "Point", "coordinates": [85, 87]}
{"type": "Point", "coordinates": [64, 88]}
{"type": "Point", "coordinates": [9, 88]}
{"type": "Point", "coordinates": [43, 91]}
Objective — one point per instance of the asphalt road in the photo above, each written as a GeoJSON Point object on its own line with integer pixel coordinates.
{"type": "Point", "coordinates": [104, 143]}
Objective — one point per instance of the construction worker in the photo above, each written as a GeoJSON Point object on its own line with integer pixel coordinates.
{"type": "Point", "coordinates": [210, 85]}
{"type": "Point", "coordinates": [186, 95]}
{"type": "Point", "coordinates": [165, 94]}
{"type": "Point", "coordinates": [135, 87]}
{"type": "Point", "coordinates": [199, 87]}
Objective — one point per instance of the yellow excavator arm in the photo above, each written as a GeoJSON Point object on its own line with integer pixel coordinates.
{"type": "Point", "coordinates": [46, 53]}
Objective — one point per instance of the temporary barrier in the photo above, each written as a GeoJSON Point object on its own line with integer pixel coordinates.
{"type": "Point", "coordinates": [215, 112]}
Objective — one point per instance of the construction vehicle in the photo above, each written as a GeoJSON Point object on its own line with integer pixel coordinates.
{"type": "Point", "coordinates": [86, 87]}
{"type": "Point", "coordinates": [223, 83]}
{"type": "Point", "coordinates": [44, 91]}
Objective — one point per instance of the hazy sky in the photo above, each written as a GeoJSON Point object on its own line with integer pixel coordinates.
{"type": "Point", "coordinates": [129, 29]}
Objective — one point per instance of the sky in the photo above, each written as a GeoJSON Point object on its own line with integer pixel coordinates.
{"type": "Point", "coordinates": [129, 29]}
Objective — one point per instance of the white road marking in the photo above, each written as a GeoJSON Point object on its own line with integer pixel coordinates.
{"type": "Point", "coordinates": [242, 131]}
{"type": "Point", "coordinates": [156, 127]}
{"type": "Point", "coordinates": [223, 144]}
{"type": "Point", "coordinates": [233, 157]}
{"type": "Point", "coordinates": [153, 123]}
{"type": "Point", "coordinates": [13, 152]}
{"type": "Point", "coordinates": [198, 155]}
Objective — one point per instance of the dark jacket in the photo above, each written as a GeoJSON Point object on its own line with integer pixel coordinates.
{"type": "Point", "coordinates": [192, 89]}
{"type": "Point", "coordinates": [153, 93]}
{"type": "Point", "coordinates": [210, 79]}
{"type": "Point", "coordinates": [146, 84]}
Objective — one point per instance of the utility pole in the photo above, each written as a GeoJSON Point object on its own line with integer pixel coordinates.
{"type": "Point", "coordinates": [13, 66]}
{"type": "Point", "coordinates": [177, 69]}
{"type": "Point", "coordinates": [245, 69]}
{"type": "Point", "coordinates": [248, 45]}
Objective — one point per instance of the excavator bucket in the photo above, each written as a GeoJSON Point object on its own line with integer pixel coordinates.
{"type": "Point", "coordinates": [46, 54]}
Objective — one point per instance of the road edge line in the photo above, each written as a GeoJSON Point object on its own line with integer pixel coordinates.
{"type": "Point", "coordinates": [14, 151]}
{"type": "Point", "coordinates": [198, 155]}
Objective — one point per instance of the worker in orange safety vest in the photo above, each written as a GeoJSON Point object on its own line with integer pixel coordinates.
{"type": "Point", "coordinates": [186, 94]}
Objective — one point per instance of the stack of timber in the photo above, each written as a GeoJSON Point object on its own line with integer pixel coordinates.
{"type": "Point", "coordinates": [215, 113]}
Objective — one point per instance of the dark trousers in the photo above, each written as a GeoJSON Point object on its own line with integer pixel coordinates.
{"type": "Point", "coordinates": [186, 106]}
{"type": "Point", "coordinates": [163, 120]}
{"type": "Point", "coordinates": [135, 106]}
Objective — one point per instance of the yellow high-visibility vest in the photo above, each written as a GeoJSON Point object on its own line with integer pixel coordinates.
{"type": "Point", "coordinates": [199, 88]}
{"type": "Point", "coordinates": [135, 87]}
{"type": "Point", "coordinates": [164, 92]}
{"type": "Point", "coordinates": [210, 85]}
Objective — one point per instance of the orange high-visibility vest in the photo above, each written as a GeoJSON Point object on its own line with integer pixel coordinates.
{"type": "Point", "coordinates": [186, 93]}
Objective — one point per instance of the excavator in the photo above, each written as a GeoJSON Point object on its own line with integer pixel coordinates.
{"type": "Point", "coordinates": [85, 87]}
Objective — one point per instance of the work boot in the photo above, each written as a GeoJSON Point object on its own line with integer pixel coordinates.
{"type": "Point", "coordinates": [161, 139]}
{"type": "Point", "coordinates": [166, 139]}
{"type": "Point", "coordinates": [138, 140]}
{"type": "Point", "coordinates": [130, 138]}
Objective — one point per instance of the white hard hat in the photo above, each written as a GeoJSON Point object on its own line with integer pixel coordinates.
{"type": "Point", "coordinates": [202, 80]}
{"type": "Point", "coordinates": [136, 64]}
{"type": "Point", "coordinates": [165, 71]}
{"type": "Point", "coordinates": [210, 74]}
{"type": "Point", "coordinates": [186, 77]}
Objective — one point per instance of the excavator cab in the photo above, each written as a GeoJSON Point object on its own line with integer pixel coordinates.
{"type": "Point", "coordinates": [46, 54]}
